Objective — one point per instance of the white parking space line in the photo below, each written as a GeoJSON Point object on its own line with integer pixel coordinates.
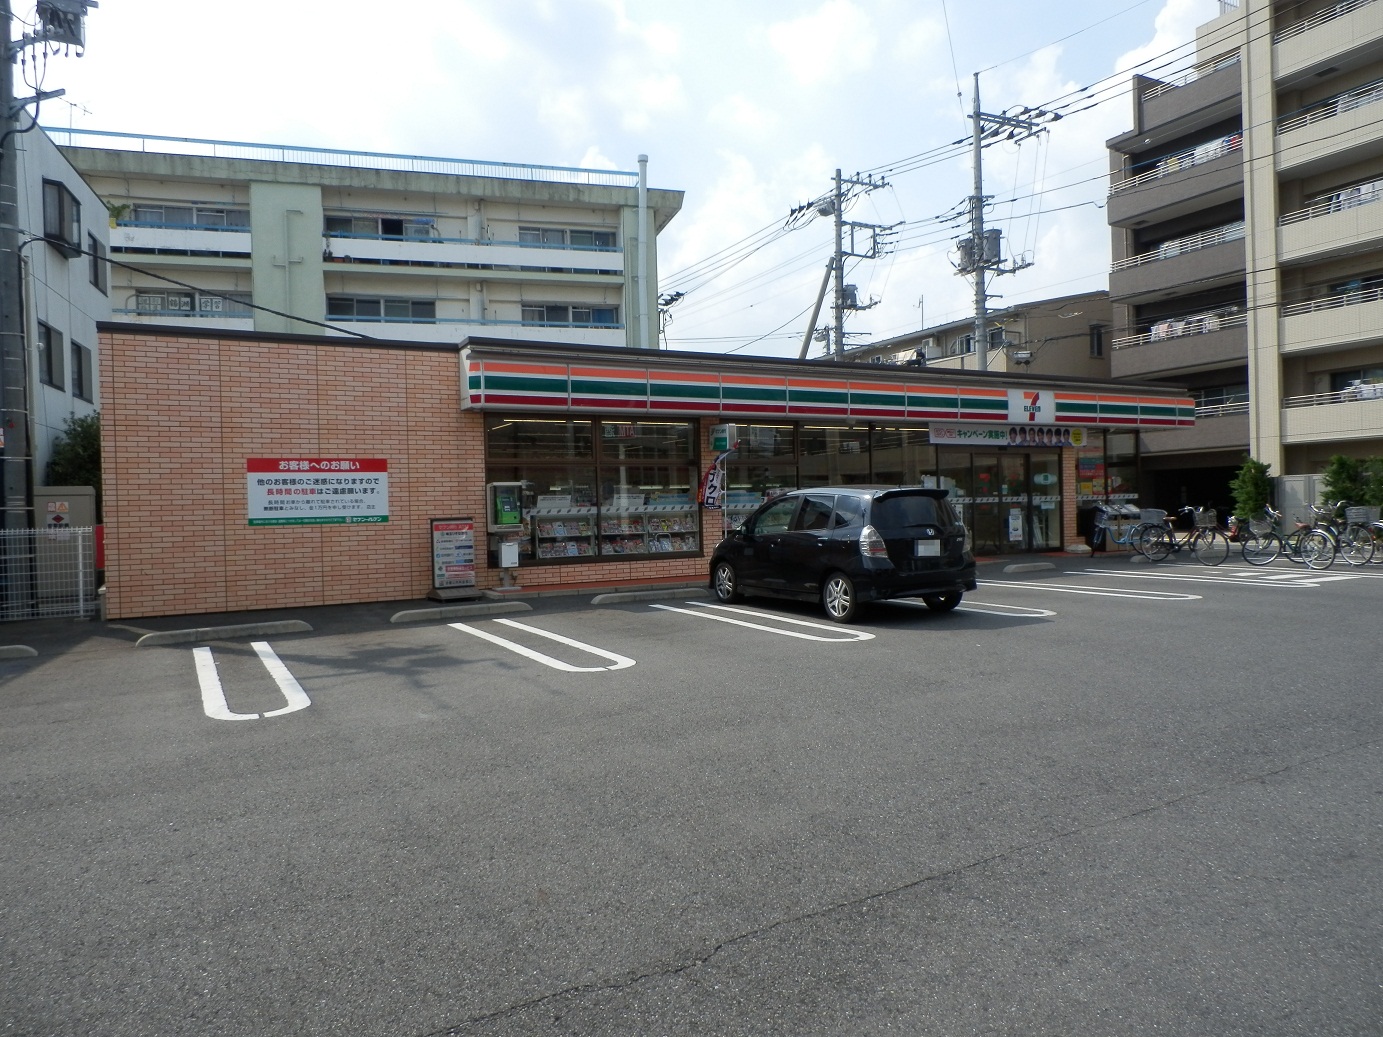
{"type": "Point", "coordinates": [995, 609]}
{"type": "Point", "coordinates": [1231, 577]}
{"type": "Point", "coordinates": [851, 635]}
{"type": "Point", "coordinates": [292, 691]}
{"type": "Point", "coordinates": [214, 695]}
{"type": "Point", "coordinates": [1102, 592]}
{"type": "Point", "coordinates": [620, 662]}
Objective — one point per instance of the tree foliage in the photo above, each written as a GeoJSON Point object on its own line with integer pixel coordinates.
{"type": "Point", "coordinates": [76, 459]}
{"type": "Point", "coordinates": [1343, 480]}
{"type": "Point", "coordinates": [1252, 487]}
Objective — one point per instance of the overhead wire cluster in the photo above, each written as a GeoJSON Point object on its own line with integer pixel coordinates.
{"type": "Point", "coordinates": [930, 235]}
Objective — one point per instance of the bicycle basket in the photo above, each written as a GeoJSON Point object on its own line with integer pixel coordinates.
{"type": "Point", "coordinates": [1360, 516]}
{"type": "Point", "coordinates": [1260, 525]}
{"type": "Point", "coordinates": [1206, 518]}
{"type": "Point", "coordinates": [1152, 515]}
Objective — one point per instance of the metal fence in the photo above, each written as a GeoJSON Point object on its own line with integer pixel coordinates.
{"type": "Point", "coordinates": [47, 573]}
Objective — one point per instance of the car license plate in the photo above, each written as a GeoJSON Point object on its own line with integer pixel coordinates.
{"type": "Point", "coordinates": [927, 548]}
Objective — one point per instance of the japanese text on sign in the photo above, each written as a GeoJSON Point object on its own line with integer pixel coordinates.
{"type": "Point", "coordinates": [316, 491]}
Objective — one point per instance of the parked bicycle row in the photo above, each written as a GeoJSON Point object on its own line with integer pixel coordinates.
{"type": "Point", "coordinates": [1354, 534]}
{"type": "Point", "coordinates": [1150, 532]}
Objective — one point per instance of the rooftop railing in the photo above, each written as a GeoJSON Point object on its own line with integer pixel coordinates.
{"type": "Point", "coordinates": [154, 144]}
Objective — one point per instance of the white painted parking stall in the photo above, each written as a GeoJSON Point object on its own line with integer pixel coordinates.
{"type": "Point", "coordinates": [617, 662]}
{"type": "Point", "coordinates": [1243, 576]}
{"type": "Point", "coordinates": [214, 703]}
{"type": "Point", "coordinates": [702, 610]}
{"type": "Point", "coordinates": [1057, 587]}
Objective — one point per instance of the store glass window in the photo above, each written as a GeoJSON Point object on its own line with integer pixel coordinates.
{"type": "Point", "coordinates": [902, 457]}
{"type": "Point", "coordinates": [767, 443]}
{"type": "Point", "coordinates": [628, 488]}
{"type": "Point", "coordinates": [1090, 469]}
{"type": "Point", "coordinates": [835, 456]}
{"type": "Point", "coordinates": [516, 439]}
{"type": "Point", "coordinates": [1121, 465]}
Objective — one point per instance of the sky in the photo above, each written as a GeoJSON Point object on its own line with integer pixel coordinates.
{"type": "Point", "coordinates": [747, 106]}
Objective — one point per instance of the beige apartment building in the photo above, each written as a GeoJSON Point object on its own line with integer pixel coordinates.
{"type": "Point", "coordinates": [250, 237]}
{"type": "Point", "coordinates": [1248, 245]}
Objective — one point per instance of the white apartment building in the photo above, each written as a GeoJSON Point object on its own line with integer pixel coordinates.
{"type": "Point", "coordinates": [252, 237]}
{"type": "Point", "coordinates": [63, 237]}
{"type": "Point", "coordinates": [1248, 242]}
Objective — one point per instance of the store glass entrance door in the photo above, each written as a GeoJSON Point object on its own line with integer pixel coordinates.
{"type": "Point", "coordinates": [1044, 516]}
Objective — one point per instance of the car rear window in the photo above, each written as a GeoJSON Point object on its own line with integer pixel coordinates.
{"type": "Point", "coordinates": [915, 509]}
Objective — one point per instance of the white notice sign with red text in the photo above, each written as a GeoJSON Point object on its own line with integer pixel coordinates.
{"type": "Point", "coordinates": [303, 491]}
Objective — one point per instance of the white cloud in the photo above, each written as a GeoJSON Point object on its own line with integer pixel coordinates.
{"type": "Point", "coordinates": [820, 48]}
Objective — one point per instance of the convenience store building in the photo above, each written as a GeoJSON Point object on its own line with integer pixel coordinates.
{"type": "Point", "coordinates": [249, 471]}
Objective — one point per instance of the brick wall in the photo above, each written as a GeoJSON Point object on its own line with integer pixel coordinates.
{"type": "Point", "coordinates": [182, 414]}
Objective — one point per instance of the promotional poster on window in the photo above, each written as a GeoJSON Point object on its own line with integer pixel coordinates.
{"type": "Point", "coordinates": [308, 491]}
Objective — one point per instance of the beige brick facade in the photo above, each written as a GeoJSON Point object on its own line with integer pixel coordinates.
{"type": "Point", "coordinates": [184, 413]}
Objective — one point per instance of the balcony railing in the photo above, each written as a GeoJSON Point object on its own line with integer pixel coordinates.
{"type": "Point", "coordinates": [1183, 160]}
{"type": "Point", "coordinates": [1197, 324]}
{"type": "Point", "coordinates": [1349, 395]}
{"type": "Point", "coordinates": [1332, 302]}
{"type": "Point", "coordinates": [1339, 105]}
{"type": "Point", "coordinates": [153, 144]}
{"type": "Point", "coordinates": [1221, 410]}
{"type": "Point", "coordinates": [1202, 70]}
{"type": "Point", "coordinates": [1338, 201]}
{"type": "Point", "coordinates": [1320, 18]}
{"type": "Point", "coordinates": [1178, 246]}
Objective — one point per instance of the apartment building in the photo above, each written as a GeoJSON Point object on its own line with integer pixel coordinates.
{"type": "Point", "coordinates": [250, 237]}
{"type": "Point", "coordinates": [1248, 248]}
{"type": "Point", "coordinates": [1067, 336]}
{"type": "Point", "coordinates": [63, 231]}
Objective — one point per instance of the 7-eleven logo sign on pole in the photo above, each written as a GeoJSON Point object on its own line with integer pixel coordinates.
{"type": "Point", "coordinates": [1031, 406]}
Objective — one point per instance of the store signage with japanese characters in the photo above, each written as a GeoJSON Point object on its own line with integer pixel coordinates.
{"type": "Point", "coordinates": [305, 491]}
{"type": "Point", "coordinates": [1009, 435]}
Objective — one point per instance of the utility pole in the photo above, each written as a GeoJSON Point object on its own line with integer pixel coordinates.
{"type": "Point", "coordinates": [14, 381]}
{"type": "Point", "coordinates": [843, 190]}
{"type": "Point", "coordinates": [981, 252]}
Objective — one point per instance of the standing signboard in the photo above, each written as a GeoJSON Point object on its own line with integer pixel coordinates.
{"type": "Point", "coordinates": [453, 554]}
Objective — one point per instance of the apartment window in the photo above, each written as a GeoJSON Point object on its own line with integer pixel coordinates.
{"type": "Point", "coordinates": [374, 308]}
{"type": "Point", "coordinates": [165, 302]}
{"type": "Point", "coordinates": [192, 216]}
{"type": "Point", "coordinates": [227, 304]}
{"type": "Point", "coordinates": [382, 226]}
{"type": "Point", "coordinates": [1096, 341]}
{"type": "Point", "coordinates": [534, 313]}
{"type": "Point", "coordinates": [576, 238]}
{"type": "Point", "coordinates": [62, 218]}
{"type": "Point", "coordinates": [100, 269]}
{"type": "Point", "coordinates": [50, 370]}
{"type": "Point", "coordinates": [81, 372]}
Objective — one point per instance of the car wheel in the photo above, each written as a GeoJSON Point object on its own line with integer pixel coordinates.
{"type": "Point", "coordinates": [942, 602]}
{"type": "Point", "coordinates": [725, 582]}
{"type": "Point", "coordinates": [838, 598]}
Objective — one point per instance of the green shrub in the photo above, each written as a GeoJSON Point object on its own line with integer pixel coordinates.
{"type": "Point", "coordinates": [1252, 487]}
{"type": "Point", "coordinates": [76, 459]}
{"type": "Point", "coordinates": [1343, 480]}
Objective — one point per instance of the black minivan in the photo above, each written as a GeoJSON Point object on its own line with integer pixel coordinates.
{"type": "Point", "coordinates": [847, 545]}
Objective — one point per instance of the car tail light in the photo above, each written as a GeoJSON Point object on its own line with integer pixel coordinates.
{"type": "Point", "coordinates": [872, 545]}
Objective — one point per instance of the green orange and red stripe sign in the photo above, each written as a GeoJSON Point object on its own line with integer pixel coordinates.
{"type": "Point", "coordinates": [492, 383]}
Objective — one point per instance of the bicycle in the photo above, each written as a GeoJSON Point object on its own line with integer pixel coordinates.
{"type": "Point", "coordinates": [1207, 542]}
{"type": "Point", "coordinates": [1353, 540]}
{"type": "Point", "coordinates": [1264, 542]}
{"type": "Point", "coordinates": [1106, 531]}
